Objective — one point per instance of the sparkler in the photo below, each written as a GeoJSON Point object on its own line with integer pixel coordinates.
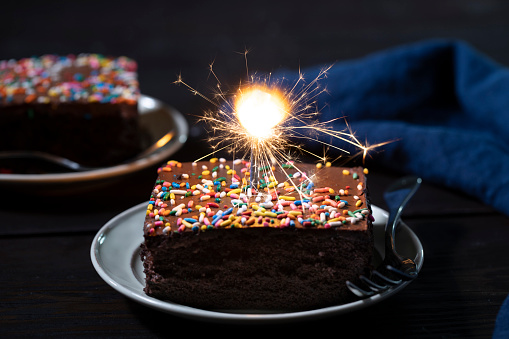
{"type": "Point", "coordinates": [263, 116]}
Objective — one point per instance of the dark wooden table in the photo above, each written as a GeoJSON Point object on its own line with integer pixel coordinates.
{"type": "Point", "coordinates": [48, 284]}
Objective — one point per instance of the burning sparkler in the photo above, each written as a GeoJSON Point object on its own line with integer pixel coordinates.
{"type": "Point", "coordinates": [263, 116]}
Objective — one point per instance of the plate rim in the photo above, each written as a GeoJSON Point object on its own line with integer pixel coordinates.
{"type": "Point", "coordinates": [232, 317]}
{"type": "Point", "coordinates": [181, 134]}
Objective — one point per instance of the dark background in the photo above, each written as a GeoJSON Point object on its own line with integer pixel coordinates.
{"type": "Point", "coordinates": [48, 285]}
{"type": "Point", "coordinates": [169, 38]}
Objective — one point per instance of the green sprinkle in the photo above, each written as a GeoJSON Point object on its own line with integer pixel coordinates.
{"type": "Point", "coordinates": [355, 175]}
{"type": "Point", "coordinates": [221, 179]}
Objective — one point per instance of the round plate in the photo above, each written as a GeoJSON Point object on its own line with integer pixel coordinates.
{"type": "Point", "coordinates": [115, 254]}
{"type": "Point", "coordinates": [156, 119]}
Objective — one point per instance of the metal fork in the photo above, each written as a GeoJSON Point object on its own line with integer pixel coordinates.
{"type": "Point", "coordinates": [394, 268]}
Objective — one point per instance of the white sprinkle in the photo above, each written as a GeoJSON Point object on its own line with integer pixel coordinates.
{"type": "Point", "coordinates": [181, 206]}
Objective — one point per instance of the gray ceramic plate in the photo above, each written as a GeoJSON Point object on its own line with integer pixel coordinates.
{"type": "Point", "coordinates": [156, 119]}
{"type": "Point", "coordinates": [115, 256]}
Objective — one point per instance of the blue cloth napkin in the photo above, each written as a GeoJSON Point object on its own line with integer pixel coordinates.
{"type": "Point", "coordinates": [444, 104]}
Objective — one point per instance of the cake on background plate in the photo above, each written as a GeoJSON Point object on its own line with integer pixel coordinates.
{"type": "Point", "coordinates": [82, 107]}
{"type": "Point", "coordinates": [289, 245]}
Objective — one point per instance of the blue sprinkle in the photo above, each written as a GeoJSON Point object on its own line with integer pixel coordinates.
{"type": "Point", "coordinates": [232, 186]}
{"type": "Point", "coordinates": [228, 211]}
{"type": "Point", "coordinates": [174, 184]}
{"type": "Point", "coordinates": [190, 220]}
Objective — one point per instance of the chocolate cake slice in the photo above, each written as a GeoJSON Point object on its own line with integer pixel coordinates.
{"type": "Point", "coordinates": [82, 107]}
{"type": "Point", "coordinates": [290, 243]}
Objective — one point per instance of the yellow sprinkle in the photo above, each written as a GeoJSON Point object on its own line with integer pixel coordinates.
{"type": "Point", "coordinates": [365, 171]}
{"type": "Point", "coordinates": [358, 203]}
{"type": "Point", "coordinates": [226, 222]}
{"type": "Point", "coordinates": [319, 165]}
{"type": "Point", "coordinates": [227, 167]}
{"type": "Point", "coordinates": [203, 227]}
{"type": "Point", "coordinates": [230, 171]}
{"type": "Point", "coordinates": [272, 184]}
{"type": "Point", "coordinates": [255, 207]}
{"type": "Point", "coordinates": [234, 191]}
{"type": "Point", "coordinates": [265, 213]}
{"type": "Point", "coordinates": [167, 224]}
{"type": "Point", "coordinates": [346, 172]}
{"type": "Point", "coordinates": [328, 164]}
{"type": "Point", "coordinates": [150, 207]}
{"type": "Point", "coordinates": [295, 212]}
{"type": "Point", "coordinates": [148, 212]}
{"type": "Point", "coordinates": [285, 197]}
{"type": "Point", "coordinates": [172, 195]}
{"type": "Point", "coordinates": [213, 160]}
{"type": "Point", "coordinates": [187, 224]}
{"type": "Point", "coordinates": [205, 173]}
{"type": "Point", "coordinates": [172, 162]}
{"type": "Point", "coordinates": [331, 191]}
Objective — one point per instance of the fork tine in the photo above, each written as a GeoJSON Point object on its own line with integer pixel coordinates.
{"type": "Point", "coordinates": [402, 274]}
{"type": "Point", "coordinates": [358, 291]}
{"type": "Point", "coordinates": [387, 279]}
{"type": "Point", "coordinates": [372, 285]}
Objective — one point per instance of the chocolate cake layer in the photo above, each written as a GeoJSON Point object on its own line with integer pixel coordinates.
{"type": "Point", "coordinates": [290, 243]}
{"type": "Point", "coordinates": [81, 107]}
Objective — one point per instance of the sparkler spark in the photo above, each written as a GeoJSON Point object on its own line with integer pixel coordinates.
{"type": "Point", "coordinates": [262, 118]}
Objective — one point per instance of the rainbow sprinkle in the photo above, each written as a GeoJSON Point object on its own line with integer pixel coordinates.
{"type": "Point", "coordinates": [73, 78]}
{"type": "Point", "coordinates": [203, 199]}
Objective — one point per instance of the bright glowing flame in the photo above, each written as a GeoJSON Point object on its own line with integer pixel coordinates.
{"type": "Point", "coordinates": [259, 110]}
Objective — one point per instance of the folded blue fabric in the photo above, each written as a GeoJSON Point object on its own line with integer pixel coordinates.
{"type": "Point", "coordinates": [445, 105]}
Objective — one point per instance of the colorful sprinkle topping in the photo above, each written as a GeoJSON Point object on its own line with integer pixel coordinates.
{"type": "Point", "coordinates": [208, 195]}
{"type": "Point", "coordinates": [56, 79]}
